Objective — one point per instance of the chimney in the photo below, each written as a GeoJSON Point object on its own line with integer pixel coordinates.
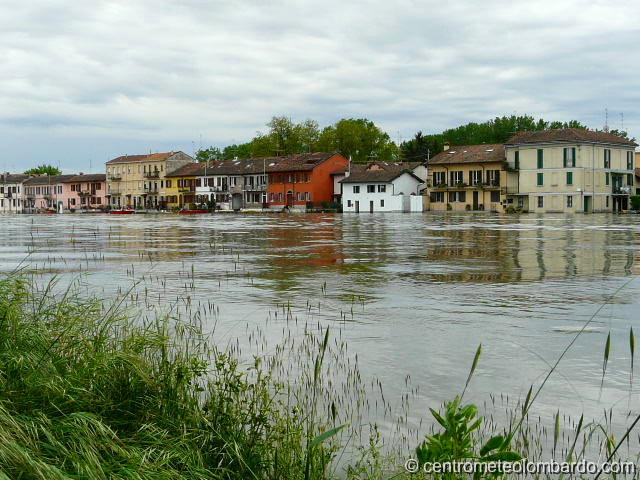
{"type": "Point", "coordinates": [446, 146]}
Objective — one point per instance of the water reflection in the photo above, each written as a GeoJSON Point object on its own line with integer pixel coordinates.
{"type": "Point", "coordinates": [413, 294]}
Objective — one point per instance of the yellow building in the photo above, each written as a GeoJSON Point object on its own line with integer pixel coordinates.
{"type": "Point", "coordinates": [573, 170]}
{"type": "Point", "coordinates": [472, 177]}
{"type": "Point", "coordinates": [180, 185]}
{"type": "Point", "coordinates": [138, 181]}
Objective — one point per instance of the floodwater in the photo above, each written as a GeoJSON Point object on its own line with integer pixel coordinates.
{"type": "Point", "coordinates": [414, 294]}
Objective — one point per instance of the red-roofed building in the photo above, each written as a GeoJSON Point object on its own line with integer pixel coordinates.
{"type": "Point", "coordinates": [304, 180]}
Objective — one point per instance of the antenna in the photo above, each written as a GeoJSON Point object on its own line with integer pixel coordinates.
{"type": "Point", "coordinates": [622, 121]}
{"type": "Point", "coordinates": [606, 119]}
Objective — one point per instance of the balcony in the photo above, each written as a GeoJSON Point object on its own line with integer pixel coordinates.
{"type": "Point", "coordinates": [255, 188]}
{"type": "Point", "coordinates": [154, 174]}
{"type": "Point", "coordinates": [621, 190]}
{"type": "Point", "coordinates": [115, 177]}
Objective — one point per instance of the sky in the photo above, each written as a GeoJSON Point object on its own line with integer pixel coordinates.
{"type": "Point", "coordinates": [84, 82]}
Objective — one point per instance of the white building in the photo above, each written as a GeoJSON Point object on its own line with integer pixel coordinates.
{"type": "Point", "coordinates": [12, 192]}
{"type": "Point", "coordinates": [383, 187]}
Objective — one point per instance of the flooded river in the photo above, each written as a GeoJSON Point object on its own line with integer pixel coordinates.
{"type": "Point", "coordinates": [414, 294]}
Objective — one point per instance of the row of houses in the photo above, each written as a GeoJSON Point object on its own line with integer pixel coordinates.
{"type": "Point", "coordinates": [567, 170]}
{"type": "Point", "coordinates": [52, 193]}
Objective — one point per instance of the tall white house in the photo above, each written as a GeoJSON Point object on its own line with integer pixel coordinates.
{"type": "Point", "coordinates": [383, 187]}
{"type": "Point", "coordinates": [572, 170]}
{"type": "Point", "coordinates": [12, 192]}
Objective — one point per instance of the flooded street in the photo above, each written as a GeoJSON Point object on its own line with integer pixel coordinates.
{"type": "Point", "coordinates": [413, 295]}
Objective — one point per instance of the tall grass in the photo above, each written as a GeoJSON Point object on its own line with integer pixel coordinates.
{"type": "Point", "coordinates": [87, 391]}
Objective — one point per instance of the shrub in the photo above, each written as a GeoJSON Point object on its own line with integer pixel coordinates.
{"type": "Point", "coordinates": [635, 202]}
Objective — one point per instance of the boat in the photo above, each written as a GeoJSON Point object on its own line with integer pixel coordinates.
{"type": "Point", "coordinates": [193, 211]}
{"type": "Point", "coordinates": [122, 211]}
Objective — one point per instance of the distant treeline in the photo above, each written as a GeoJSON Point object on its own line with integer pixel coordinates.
{"type": "Point", "coordinates": [364, 141]}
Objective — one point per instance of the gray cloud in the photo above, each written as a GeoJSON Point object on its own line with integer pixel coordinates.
{"type": "Point", "coordinates": [82, 80]}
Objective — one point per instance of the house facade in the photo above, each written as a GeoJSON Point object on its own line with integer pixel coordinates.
{"type": "Point", "coordinates": [45, 193]}
{"type": "Point", "coordinates": [471, 177]}
{"type": "Point", "coordinates": [138, 181]}
{"type": "Point", "coordinates": [572, 170]}
{"type": "Point", "coordinates": [230, 184]}
{"type": "Point", "coordinates": [12, 192]}
{"type": "Point", "coordinates": [84, 192]}
{"type": "Point", "coordinates": [383, 187]}
{"type": "Point", "coordinates": [303, 180]}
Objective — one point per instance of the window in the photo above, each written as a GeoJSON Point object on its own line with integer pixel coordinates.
{"type": "Point", "coordinates": [569, 201]}
{"type": "Point", "coordinates": [569, 178]}
{"type": "Point", "coordinates": [630, 179]}
{"type": "Point", "coordinates": [168, 184]}
{"type": "Point", "coordinates": [606, 201]}
{"type": "Point", "coordinates": [475, 177]}
{"type": "Point", "coordinates": [540, 179]}
{"type": "Point", "coordinates": [356, 189]}
{"type": "Point", "coordinates": [569, 157]}
{"type": "Point", "coordinates": [495, 196]}
{"type": "Point", "coordinates": [382, 203]}
{"type": "Point", "coordinates": [437, 197]}
{"type": "Point", "coordinates": [382, 189]}
{"type": "Point", "coordinates": [607, 158]}
{"type": "Point", "coordinates": [349, 203]}
{"type": "Point", "coordinates": [371, 189]}
{"type": "Point", "coordinates": [606, 178]}
{"type": "Point", "coordinates": [540, 158]}
{"type": "Point", "coordinates": [457, 197]}
{"type": "Point", "coordinates": [517, 160]}
{"type": "Point", "coordinates": [456, 177]}
{"type": "Point", "coordinates": [439, 178]}
{"type": "Point", "coordinates": [629, 160]}
{"type": "Point", "coordinates": [540, 202]}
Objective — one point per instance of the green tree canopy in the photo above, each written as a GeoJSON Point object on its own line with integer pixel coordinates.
{"type": "Point", "coordinates": [209, 154]}
{"type": "Point", "coordinates": [358, 138]}
{"type": "Point", "coordinates": [43, 169]}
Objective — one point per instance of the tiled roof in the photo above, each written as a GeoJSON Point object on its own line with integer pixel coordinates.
{"type": "Point", "coordinates": [568, 135]}
{"type": "Point", "coordinates": [380, 172]}
{"type": "Point", "coordinates": [13, 177]}
{"type": "Point", "coordinates": [151, 157]}
{"type": "Point", "coordinates": [470, 154]}
{"type": "Point", "coordinates": [48, 180]}
{"type": "Point", "coordinates": [87, 177]}
{"type": "Point", "coordinates": [290, 163]}
{"type": "Point", "coordinates": [221, 167]}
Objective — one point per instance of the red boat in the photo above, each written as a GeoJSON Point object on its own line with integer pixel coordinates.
{"type": "Point", "coordinates": [195, 211]}
{"type": "Point", "coordinates": [122, 211]}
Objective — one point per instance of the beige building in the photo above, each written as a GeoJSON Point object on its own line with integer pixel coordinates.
{"type": "Point", "coordinates": [572, 170]}
{"type": "Point", "coordinates": [138, 181]}
{"type": "Point", "coordinates": [472, 177]}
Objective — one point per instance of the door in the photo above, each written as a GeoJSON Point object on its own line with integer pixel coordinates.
{"type": "Point", "coordinates": [289, 199]}
{"type": "Point", "coordinates": [371, 206]}
{"type": "Point", "coordinates": [587, 204]}
{"type": "Point", "coordinates": [475, 200]}
{"type": "Point", "coordinates": [357, 206]}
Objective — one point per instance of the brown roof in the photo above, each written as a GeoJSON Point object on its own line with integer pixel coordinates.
{"type": "Point", "coordinates": [568, 135]}
{"type": "Point", "coordinates": [13, 177]}
{"type": "Point", "coordinates": [492, 153]}
{"type": "Point", "coordinates": [222, 167]}
{"type": "Point", "coordinates": [151, 157]}
{"type": "Point", "coordinates": [290, 163]}
{"type": "Point", "coordinates": [380, 172]}
{"type": "Point", "coordinates": [87, 177]}
{"type": "Point", "coordinates": [48, 180]}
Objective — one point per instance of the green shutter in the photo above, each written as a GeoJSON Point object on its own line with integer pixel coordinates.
{"type": "Point", "coordinates": [540, 179]}
{"type": "Point", "coordinates": [540, 158]}
{"type": "Point", "coordinates": [517, 160]}
{"type": "Point", "coordinates": [569, 178]}
{"type": "Point", "coordinates": [564, 158]}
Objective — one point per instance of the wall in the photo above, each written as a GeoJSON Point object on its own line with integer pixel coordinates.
{"type": "Point", "coordinates": [589, 176]}
{"type": "Point", "coordinates": [393, 201]}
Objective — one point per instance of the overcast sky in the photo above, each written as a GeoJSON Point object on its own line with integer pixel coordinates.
{"type": "Point", "coordinates": [83, 82]}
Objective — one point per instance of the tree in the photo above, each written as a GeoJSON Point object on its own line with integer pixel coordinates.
{"type": "Point", "coordinates": [43, 169]}
{"type": "Point", "coordinates": [209, 154]}
{"type": "Point", "coordinates": [359, 139]}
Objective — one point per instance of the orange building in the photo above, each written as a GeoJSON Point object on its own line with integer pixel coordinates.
{"type": "Point", "coordinates": [304, 180]}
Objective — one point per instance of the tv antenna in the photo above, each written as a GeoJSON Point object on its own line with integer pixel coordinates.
{"type": "Point", "coordinates": [606, 119]}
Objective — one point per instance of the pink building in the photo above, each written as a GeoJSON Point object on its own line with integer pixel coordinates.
{"type": "Point", "coordinates": [84, 192]}
{"type": "Point", "coordinates": [44, 193]}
